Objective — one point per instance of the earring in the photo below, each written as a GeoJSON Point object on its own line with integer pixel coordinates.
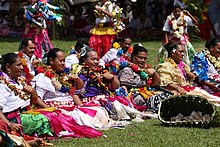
{"type": "Point", "coordinates": [8, 71]}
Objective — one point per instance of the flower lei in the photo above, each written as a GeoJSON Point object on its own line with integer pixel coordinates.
{"type": "Point", "coordinates": [178, 25]}
{"type": "Point", "coordinates": [96, 76]}
{"type": "Point", "coordinates": [28, 75]}
{"type": "Point", "coordinates": [181, 66]}
{"type": "Point", "coordinates": [17, 89]}
{"type": "Point", "coordinates": [215, 61]}
{"type": "Point", "coordinates": [61, 82]}
{"type": "Point", "coordinates": [142, 73]}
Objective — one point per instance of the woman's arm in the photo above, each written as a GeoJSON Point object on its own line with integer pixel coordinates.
{"type": "Point", "coordinates": [176, 88]}
{"type": "Point", "coordinates": [13, 126]}
{"type": "Point", "coordinates": [34, 97]}
{"type": "Point", "coordinates": [192, 17]}
{"type": "Point", "coordinates": [113, 80]}
{"type": "Point", "coordinates": [155, 76]}
{"type": "Point", "coordinates": [79, 82]}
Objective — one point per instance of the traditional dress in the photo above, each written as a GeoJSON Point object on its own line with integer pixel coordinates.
{"type": "Point", "coordinates": [38, 16]}
{"type": "Point", "coordinates": [138, 85]}
{"type": "Point", "coordinates": [177, 29]}
{"type": "Point", "coordinates": [57, 95]}
{"type": "Point", "coordinates": [13, 101]}
{"type": "Point", "coordinates": [97, 89]}
{"type": "Point", "coordinates": [103, 33]}
{"type": "Point", "coordinates": [170, 72]}
{"type": "Point", "coordinates": [206, 67]}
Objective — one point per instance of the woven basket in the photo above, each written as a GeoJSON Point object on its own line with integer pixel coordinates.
{"type": "Point", "coordinates": [185, 105]}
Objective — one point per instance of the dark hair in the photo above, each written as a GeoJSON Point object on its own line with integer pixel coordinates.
{"type": "Point", "coordinates": [84, 56]}
{"type": "Point", "coordinates": [170, 47]}
{"type": "Point", "coordinates": [52, 54]}
{"type": "Point", "coordinates": [24, 41]}
{"type": "Point", "coordinates": [212, 42]}
{"type": "Point", "coordinates": [137, 49]}
{"type": "Point", "coordinates": [80, 44]}
{"type": "Point", "coordinates": [176, 6]}
{"type": "Point", "coordinates": [9, 59]}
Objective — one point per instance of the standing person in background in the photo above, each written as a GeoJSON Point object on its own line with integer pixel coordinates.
{"type": "Point", "coordinates": [175, 30]}
{"type": "Point", "coordinates": [37, 14]}
{"type": "Point", "coordinates": [103, 32]}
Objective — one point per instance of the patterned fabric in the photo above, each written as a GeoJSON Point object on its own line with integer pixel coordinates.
{"type": "Point", "coordinates": [170, 74]}
{"type": "Point", "coordinates": [141, 97]}
{"type": "Point", "coordinates": [203, 68]}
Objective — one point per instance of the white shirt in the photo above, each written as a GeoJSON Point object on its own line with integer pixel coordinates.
{"type": "Point", "coordinates": [46, 91]}
{"type": "Point", "coordinates": [110, 56]}
{"type": "Point", "coordinates": [167, 27]}
{"type": "Point", "coordinates": [29, 64]}
{"type": "Point", "coordinates": [9, 102]}
{"type": "Point", "coordinates": [71, 59]}
{"type": "Point", "coordinates": [105, 18]}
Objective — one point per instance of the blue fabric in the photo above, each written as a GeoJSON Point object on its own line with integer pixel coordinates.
{"type": "Point", "coordinates": [199, 66]}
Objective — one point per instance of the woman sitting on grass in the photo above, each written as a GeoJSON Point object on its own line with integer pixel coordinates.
{"type": "Point", "coordinates": [206, 65]}
{"type": "Point", "coordinates": [99, 87]}
{"type": "Point", "coordinates": [16, 97]}
{"type": "Point", "coordinates": [56, 87]}
{"type": "Point", "coordinates": [176, 76]}
{"type": "Point", "coordinates": [137, 80]}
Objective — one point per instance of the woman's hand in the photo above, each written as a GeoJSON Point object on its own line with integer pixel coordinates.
{"type": "Point", "coordinates": [108, 76]}
{"type": "Point", "coordinates": [32, 91]}
{"type": "Point", "coordinates": [14, 126]}
{"type": "Point", "coordinates": [73, 77]}
{"type": "Point", "coordinates": [191, 76]}
{"type": "Point", "coordinates": [180, 90]}
{"type": "Point", "coordinates": [150, 71]}
{"type": "Point", "coordinates": [213, 87]}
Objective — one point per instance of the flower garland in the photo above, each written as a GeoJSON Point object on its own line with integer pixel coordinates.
{"type": "Point", "coordinates": [61, 82]}
{"type": "Point", "coordinates": [142, 73]}
{"type": "Point", "coordinates": [215, 61]}
{"type": "Point", "coordinates": [26, 70]}
{"type": "Point", "coordinates": [178, 25]}
{"type": "Point", "coordinates": [96, 76]}
{"type": "Point", "coordinates": [17, 89]}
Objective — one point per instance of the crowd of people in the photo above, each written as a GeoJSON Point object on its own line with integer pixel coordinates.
{"type": "Point", "coordinates": [100, 84]}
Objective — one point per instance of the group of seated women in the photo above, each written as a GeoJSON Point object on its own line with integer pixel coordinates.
{"type": "Point", "coordinates": [74, 102]}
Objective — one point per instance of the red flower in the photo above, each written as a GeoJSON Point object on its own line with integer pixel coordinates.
{"type": "Point", "coordinates": [149, 81]}
{"type": "Point", "coordinates": [72, 90]}
{"type": "Point", "coordinates": [40, 69]}
{"type": "Point", "coordinates": [49, 74]}
{"type": "Point", "coordinates": [134, 67]}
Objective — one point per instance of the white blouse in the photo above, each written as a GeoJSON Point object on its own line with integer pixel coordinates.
{"type": "Point", "coordinates": [9, 101]}
{"type": "Point", "coordinates": [46, 91]}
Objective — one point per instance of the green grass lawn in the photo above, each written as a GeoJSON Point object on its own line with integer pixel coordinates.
{"type": "Point", "coordinates": [148, 133]}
